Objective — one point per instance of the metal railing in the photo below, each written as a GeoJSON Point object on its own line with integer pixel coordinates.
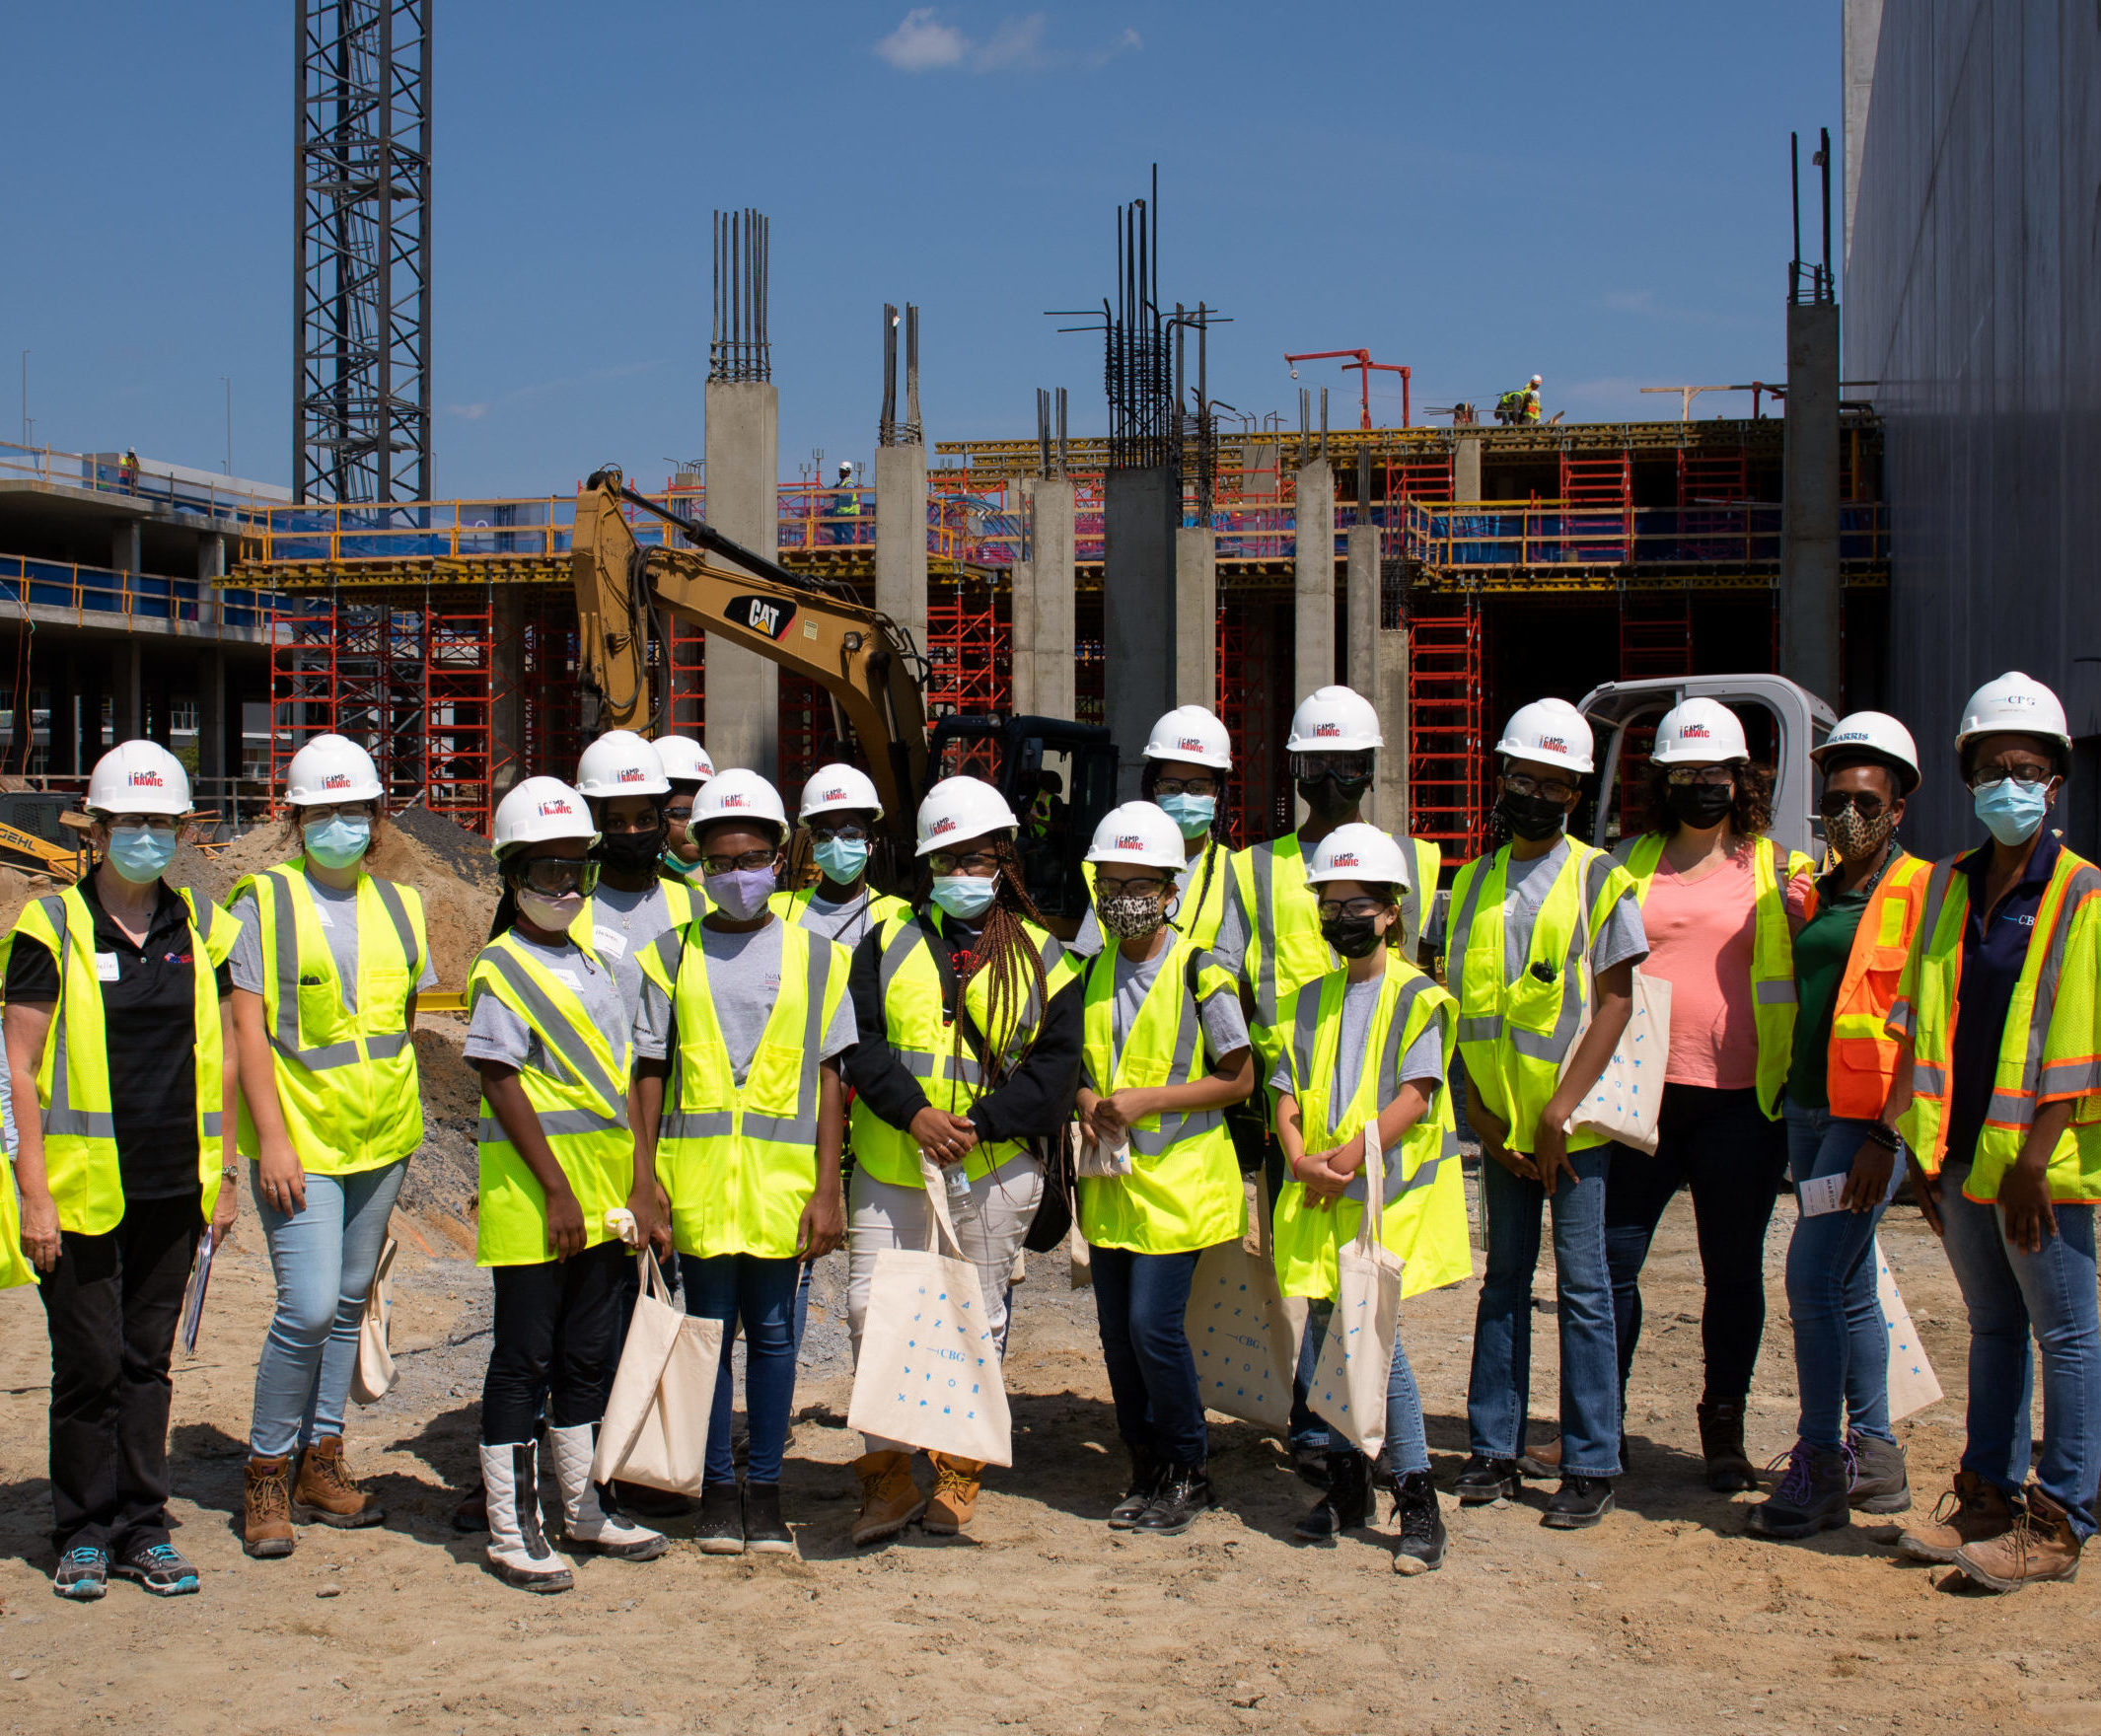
{"type": "Point", "coordinates": [100, 474]}
{"type": "Point", "coordinates": [1474, 534]}
{"type": "Point", "coordinates": [100, 597]}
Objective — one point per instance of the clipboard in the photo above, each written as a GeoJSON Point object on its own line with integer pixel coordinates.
{"type": "Point", "coordinates": [193, 1295]}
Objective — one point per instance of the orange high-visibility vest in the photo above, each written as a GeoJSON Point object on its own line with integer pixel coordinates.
{"type": "Point", "coordinates": [1862, 1057]}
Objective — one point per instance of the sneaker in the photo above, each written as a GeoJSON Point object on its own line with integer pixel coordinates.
{"type": "Point", "coordinates": [82, 1573]}
{"type": "Point", "coordinates": [1483, 1480]}
{"type": "Point", "coordinates": [1347, 1507]}
{"type": "Point", "coordinates": [1185, 1495]}
{"type": "Point", "coordinates": [719, 1530]}
{"type": "Point", "coordinates": [1811, 1496]}
{"type": "Point", "coordinates": [1880, 1483]}
{"type": "Point", "coordinates": [1581, 1502]}
{"type": "Point", "coordinates": [158, 1566]}
{"type": "Point", "coordinates": [765, 1531]}
{"type": "Point", "coordinates": [1423, 1541]}
{"type": "Point", "coordinates": [1145, 1472]}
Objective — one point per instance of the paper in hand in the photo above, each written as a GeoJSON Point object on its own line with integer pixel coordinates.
{"type": "Point", "coordinates": [194, 1296]}
{"type": "Point", "coordinates": [1821, 1194]}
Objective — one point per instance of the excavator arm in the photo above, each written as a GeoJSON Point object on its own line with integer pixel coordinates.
{"type": "Point", "coordinates": [867, 665]}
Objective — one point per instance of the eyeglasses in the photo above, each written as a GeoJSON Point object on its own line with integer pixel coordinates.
{"type": "Point", "coordinates": [558, 876]}
{"type": "Point", "coordinates": [981, 862]}
{"type": "Point", "coordinates": [677, 813]}
{"type": "Point", "coordinates": [1333, 910]}
{"type": "Point", "coordinates": [851, 832]}
{"type": "Point", "coordinates": [1140, 886]}
{"type": "Point", "coordinates": [323, 811]}
{"type": "Point", "coordinates": [2026, 775]}
{"type": "Point", "coordinates": [1713, 778]}
{"type": "Point", "coordinates": [1185, 786]}
{"type": "Point", "coordinates": [748, 863]}
{"type": "Point", "coordinates": [1336, 767]}
{"type": "Point", "coordinates": [1864, 803]}
{"type": "Point", "coordinates": [1520, 783]}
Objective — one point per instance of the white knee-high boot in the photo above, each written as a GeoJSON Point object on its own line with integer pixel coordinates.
{"type": "Point", "coordinates": [519, 1550]}
{"type": "Point", "coordinates": [586, 1524]}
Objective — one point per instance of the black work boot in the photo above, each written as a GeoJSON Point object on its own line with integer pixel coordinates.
{"type": "Point", "coordinates": [1581, 1502]}
{"type": "Point", "coordinates": [1423, 1539]}
{"type": "Point", "coordinates": [1184, 1492]}
{"type": "Point", "coordinates": [1145, 1469]}
{"type": "Point", "coordinates": [1483, 1480]}
{"type": "Point", "coordinates": [1347, 1507]}
{"type": "Point", "coordinates": [1721, 1443]}
{"type": "Point", "coordinates": [1811, 1496]}
{"type": "Point", "coordinates": [1881, 1483]}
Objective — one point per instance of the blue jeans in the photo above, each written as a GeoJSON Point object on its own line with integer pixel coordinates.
{"type": "Point", "coordinates": [742, 1290]}
{"type": "Point", "coordinates": [323, 1258]}
{"type": "Point", "coordinates": [1140, 1301]}
{"type": "Point", "coordinates": [1407, 1447]}
{"type": "Point", "coordinates": [1842, 1344]}
{"type": "Point", "coordinates": [2012, 1296]}
{"type": "Point", "coordinates": [1499, 1387]}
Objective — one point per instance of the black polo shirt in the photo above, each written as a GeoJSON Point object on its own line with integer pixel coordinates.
{"type": "Point", "coordinates": [1995, 948]}
{"type": "Point", "coordinates": [150, 1024]}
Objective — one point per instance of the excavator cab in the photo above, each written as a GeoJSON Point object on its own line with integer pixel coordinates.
{"type": "Point", "coordinates": [1059, 777]}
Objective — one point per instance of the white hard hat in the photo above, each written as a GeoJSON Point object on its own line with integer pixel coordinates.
{"type": "Point", "coordinates": [959, 808]}
{"type": "Point", "coordinates": [684, 761]}
{"type": "Point", "coordinates": [620, 763]}
{"type": "Point", "coordinates": [1878, 733]}
{"type": "Point", "coordinates": [833, 787]}
{"type": "Point", "coordinates": [1333, 720]}
{"type": "Point", "coordinates": [845, 467]}
{"type": "Point", "coordinates": [1534, 379]}
{"type": "Point", "coordinates": [331, 769]}
{"type": "Point", "coordinates": [2017, 704]}
{"type": "Point", "coordinates": [1699, 732]}
{"type": "Point", "coordinates": [737, 794]}
{"type": "Point", "coordinates": [1359, 852]}
{"type": "Point", "coordinates": [1191, 733]}
{"type": "Point", "coordinates": [138, 778]}
{"type": "Point", "coordinates": [1550, 731]}
{"type": "Point", "coordinates": [1140, 832]}
{"type": "Point", "coordinates": [539, 809]}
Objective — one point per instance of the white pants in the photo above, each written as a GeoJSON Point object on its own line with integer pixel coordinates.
{"type": "Point", "coordinates": [990, 1228]}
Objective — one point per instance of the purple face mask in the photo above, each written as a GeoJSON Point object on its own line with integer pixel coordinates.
{"type": "Point", "coordinates": [741, 893]}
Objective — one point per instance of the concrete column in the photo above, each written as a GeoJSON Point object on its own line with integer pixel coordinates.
{"type": "Point", "coordinates": [124, 545]}
{"type": "Point", "coordinates": [211, 720]}
{"type": "Point", "coordinates": [1466, 467]}
{"type": "Point", "coordinates": [1313, 580]}
{"type": "Point", "coordinates": [1042, 607]}
{"type": "Point", "coordinates": [211, 566]}
{"type": "Point", "coordinates": [744, 502]}
{"type": "Point", "coordinates": [507, 693]}
{"type": "Point", "coordinates": [128, 714]}
{"type": "Point", "coordinates": [900, 538]}
{"type": "Point", "coordinates": [1377, 665]}
{"type": "Point", "coordinates": [1197, 617]}
{"type": "Point", "coordinates": [1143, 510]}
{"type": "Point", "coordinates": [1809, 600]}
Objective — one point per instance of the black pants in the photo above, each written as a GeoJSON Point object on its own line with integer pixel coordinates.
{"type": "Point", "coordinates": [556, 1334]}
{"type": "Point", "coordinates": [112, 1304]}
{"type": "Point", "coordinates": [1722, 1146]}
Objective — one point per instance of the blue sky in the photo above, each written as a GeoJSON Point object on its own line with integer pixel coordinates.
{"type": "Point", "coordinates": [1596, 192]}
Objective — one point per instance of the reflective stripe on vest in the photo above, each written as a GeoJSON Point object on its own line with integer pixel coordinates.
{"type": "Point", "coordinates": [73, 1090]}
{"type": "Point", "coordinates": [1861, 1061]}
{"type": "Point", "coordinates": [581, 1107]}
{"type": "Point", "coordinates": [345, 1080]}
{"type": "Point", "coordinates": [792, 908]}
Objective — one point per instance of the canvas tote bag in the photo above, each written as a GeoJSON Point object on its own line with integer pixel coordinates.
{"type": "Point", "coordinates": [373, 1378]}
{"type": "Point", "coordinates": [655, 1428]}
{"type": "Point", "coordinates": [928, 1373]}
{"type": "Point", "coordinates": [1625, 1102]}
{"type": "Point", "coordinates": [1358, 1353]}
{"type": "Point", "coordinates": [1241, 1330]}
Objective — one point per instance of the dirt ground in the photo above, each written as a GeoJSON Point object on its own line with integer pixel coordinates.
{"type": "Point", "coordinates": [1666, 1618]}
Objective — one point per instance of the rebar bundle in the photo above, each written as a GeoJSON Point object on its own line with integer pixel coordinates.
{"type": "Point", "coordinates": [738, 347]}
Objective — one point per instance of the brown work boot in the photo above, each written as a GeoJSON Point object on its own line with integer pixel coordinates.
{"type": "Point", "coordinates": [1973, 1511]}
{"type": "Point", "coordinates": [1721, 1445]}
{"type": "Point", "coordinates": [266, 1522]}
{"type": "Point", "coordinates": [955, 1494]}
{"type": "Point", "coordinates": [326, 1494]}
{"type": "Point", "coordinates": [2040, 1544]}
{"type": "Point", "coordinates": [890, 1500]}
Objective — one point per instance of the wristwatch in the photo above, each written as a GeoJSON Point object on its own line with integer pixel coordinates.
{"type": "Point", "coordinates": [230, 1172]}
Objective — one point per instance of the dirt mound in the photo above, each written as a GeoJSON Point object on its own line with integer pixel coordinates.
{"type": "Point", "coordinates": [440, 1188]}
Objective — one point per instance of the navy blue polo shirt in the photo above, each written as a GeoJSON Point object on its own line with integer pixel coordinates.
{"type": "Point", "coordinates": [1995, 947]}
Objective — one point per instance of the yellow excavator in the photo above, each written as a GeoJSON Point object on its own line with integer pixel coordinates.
{"type": "Point", "coordinates": [626, 593]}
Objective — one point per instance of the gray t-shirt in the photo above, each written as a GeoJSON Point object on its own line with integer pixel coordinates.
{"type": "Point", "coordinates": [848, 922]}
{"type": "Point", "coordinates": [624, 925]}
{"type": "Point", "coordinates": [743, 982]}
{"type": "Point", "coordinates": [1525, 890]}
{"type": "Point", "coordinates": [495, 1033]}
{"type": "Point", "coordinates": [336, 913]}
{"type": "Point", "coordinates": [1423, 1060]}
{"type": "Point", "coordinates": [1224, 1028]}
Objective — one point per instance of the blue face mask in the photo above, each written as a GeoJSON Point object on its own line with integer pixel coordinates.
{"type": "Point", "coordinates": [842, 858]}
{"type": "Point", "coordinates": [966, 896]}
{"type": "Point", "coordinates": [2011, 811]}
{"type": "Point", "coordinates": [140, 853]}
{"type": "Point", "coordinates": [336, 842]}
{"type": "Point", "coordinates": [1192, 814]}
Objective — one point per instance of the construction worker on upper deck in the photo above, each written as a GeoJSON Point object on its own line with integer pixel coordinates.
{"type": "Point", "coordinates": [1521, 405]}
{"type": "Point", "coordinates": [846, 507]}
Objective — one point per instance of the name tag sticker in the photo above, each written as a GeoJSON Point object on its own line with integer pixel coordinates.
{"type": "Point", "coordinates": [321, 915]}
{"type": "Point", "coordinates": [614, 945]}
{"type": "Point", "coordinates": [106, 967]}
{"type": "Point", "coordinates": [568, 978]}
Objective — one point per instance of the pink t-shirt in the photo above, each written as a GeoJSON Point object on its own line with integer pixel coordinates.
{"type": "Point", "coordinates": [1699, 936]}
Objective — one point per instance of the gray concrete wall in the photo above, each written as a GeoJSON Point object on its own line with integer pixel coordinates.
{"type": "Point", "coordinates": [900, 538]}
{"type": "Point", "coordinates": [743, 501]}
{"type": "Point", "coordinates": [1041, 612]}
{"type": "Point", "coordinates": [1313, 581]}
{"type": "Point", "coordinates": [1376, 666]}
{"type": "Point", "coordinates": [1466, 469]}
{"type": "Point", "coordinates": [1197, 617]}
{"type": "Point", "coordinates": [1142, 509]}
{"type": "Point", "coordinates": [1863, 30]}
{"type": "Point", "coordinates": [1809, 608]}
{"type": "Point", "coordinates": [1973, 296]}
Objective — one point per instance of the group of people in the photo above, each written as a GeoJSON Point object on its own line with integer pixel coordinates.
{"type": "Point", "coordinates": [685, 1050]}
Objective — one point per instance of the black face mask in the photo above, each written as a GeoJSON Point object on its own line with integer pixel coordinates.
{"type": "Point", "coordinates": [1530, 818]}
{"type": "Point", "coordinates": [1701, 805]}
{"type": "Point", "coordinates": [1354, 938]}
{"type": "Point", "coordinates": [1330, 796]}
{"type": "Point", "coordinates": [629, 853]}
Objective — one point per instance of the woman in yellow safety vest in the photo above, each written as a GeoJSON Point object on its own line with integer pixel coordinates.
{"type": "Point", "coordinates": [554, 1046]}
{"type": "Point", "coordinates": [123, 1080]}
{"type": "Point", "coordinates": [1719, 899]}
{"type": "Point", "coordinates": [1534, 926]}
{"type": "Point", "coordinates": [748, 1144]}
{"type": "Point", "coordinates": [1370, 1042]}
{"type": "Point", "coordinates": [1860, 918]}
{"type": "Point", "coordinates": [324, 979]}
{"type": "Point", "coordinates": [969, 1013]}
{"type": "Point", "coordinates": [1166, 1050]}
{"type": "Point", "coordinates": [1998, 1097]}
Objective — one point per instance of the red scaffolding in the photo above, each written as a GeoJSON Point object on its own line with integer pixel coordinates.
{"type": "Point", "coordinates": [1446, 726]}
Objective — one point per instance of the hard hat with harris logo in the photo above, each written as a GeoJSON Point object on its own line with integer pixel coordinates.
{"type": "Point", "coordinates": [737, 794]}
{"type": "Point", "coordinates": [835, 787]}
{"type": "Point", "coordinates": [1699, 732]}
{"type": "Point", "coordinates": [620, 763]}
{"type": "Point", "coordinates": [957, 809]}
{"type": "Point", "coordinates": [1871, 735]}
{"type": "Point", "coordinates": [1139, 832]}
{"type": "Point", "coordinates": [1359, 852]}
{"type": "Point", "coordinates": [1192, 734]}
{"type": "Point", "coordinates": [539, 811]}
{"type": "Point", "coordinates": [138, 778]}
{"type": "Point", "coordinates": [1333, 720]}
{"type": "Point", "coordinates": [331, 768]}
{"type": "Point", "coordinates": [2013, 704]}
{"type": "Point", "coordinates": [1552, 732]}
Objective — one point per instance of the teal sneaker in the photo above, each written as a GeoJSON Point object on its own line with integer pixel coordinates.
{"type": "Point", "coordinates": [158, 1566]}
{"type": "Point", "coordinates": [82, 1573]}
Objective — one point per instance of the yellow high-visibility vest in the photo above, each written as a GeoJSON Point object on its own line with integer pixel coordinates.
{"type": "Point", "coordinates": [2050, 1047]}
{"type": "Point", "coordinates": [740, 1161]}
{"type": "Point", "coordinates": [1184, 1191]}
{"type": "Point", "coordinates": [793, 906]}
{"type": "Point", "coordinates": [345, 1081]}
{"type": "Point", "coordinates": [73, 1076]}
{"type": "Point", "coordinates": [15, 1267]}
{"type": "Point", "coordinates": [582, 1111]}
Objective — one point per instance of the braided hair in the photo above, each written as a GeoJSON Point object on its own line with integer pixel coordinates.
{"type": "Point", "coordinates": [1017, 969]}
